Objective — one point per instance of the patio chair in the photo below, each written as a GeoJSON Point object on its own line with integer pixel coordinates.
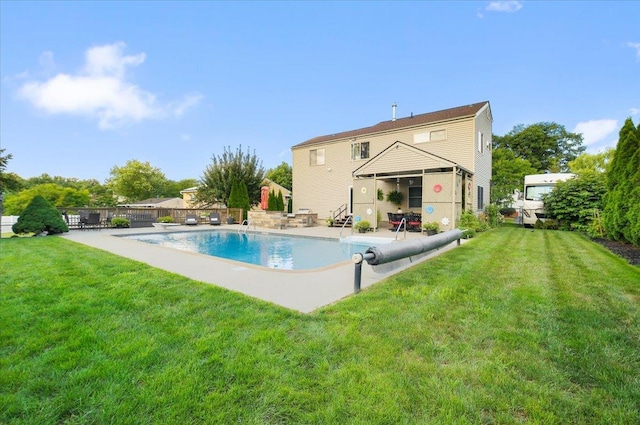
{"type": "Point", "coordinates": [191, 219]}
{"type": "Point", "coordinates": [214, 219]}
{"type": "Point", "coordinates": [394, 220]}
{"type": "Point", "coordinates": [90, 221]}
{"type": "Point", "coordinates": [414, 222]}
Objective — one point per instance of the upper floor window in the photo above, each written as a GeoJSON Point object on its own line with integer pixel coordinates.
{"type": "Point", "coordinates": [316, 157]}
{"type": "Point", "coordinates": [480, 142]}
{"type": "Point", "coordinates": [359, 150]}
{"type": "Point", "coordinates": [430, 136]}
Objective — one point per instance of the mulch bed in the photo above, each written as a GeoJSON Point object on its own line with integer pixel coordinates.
{"type": "Point", "coordinates": [625, 250]}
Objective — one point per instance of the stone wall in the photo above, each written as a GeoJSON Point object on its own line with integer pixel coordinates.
{"type": "Point", "coordinates": [281, 220]}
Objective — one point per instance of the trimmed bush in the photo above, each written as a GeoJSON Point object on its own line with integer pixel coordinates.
{"type": "Point", "coordinates": [166, 219]}
{"type": "Point", "coordinates": [40, 216]}
{"type": "Point", "coordinates": [120, 222]}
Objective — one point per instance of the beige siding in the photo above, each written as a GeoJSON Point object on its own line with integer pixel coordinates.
{"type": "Point", "coordinates": [324, 188]}
{"type": "Point", "coordinates": [483, 159]}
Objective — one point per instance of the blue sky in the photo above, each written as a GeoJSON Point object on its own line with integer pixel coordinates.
{"type": "Point", "coordinates": [86, 86]}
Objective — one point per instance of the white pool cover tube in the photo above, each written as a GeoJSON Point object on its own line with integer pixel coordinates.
{"type": "Point", "coordinates": [387, 253]}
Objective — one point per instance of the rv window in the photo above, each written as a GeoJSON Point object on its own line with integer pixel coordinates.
{"type": "Point", "coordinates": [535, 193]}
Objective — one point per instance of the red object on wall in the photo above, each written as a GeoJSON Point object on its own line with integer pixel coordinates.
{"type": "Point", "coordinates": [437, 188]}
{"type": "Point", "coordinates": [264, 197]}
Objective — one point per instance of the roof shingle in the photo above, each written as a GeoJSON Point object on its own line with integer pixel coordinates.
{"type": "Point", "coordinates": [430, 117]}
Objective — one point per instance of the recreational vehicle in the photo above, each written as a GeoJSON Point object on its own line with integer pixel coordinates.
{"type": "Point", "coordinates": [535, 187]}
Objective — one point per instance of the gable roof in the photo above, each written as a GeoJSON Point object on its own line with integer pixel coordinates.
{"type": "Point", "coordinates": [400, 158]}
{"type": "Point", "coordinates": [428, 118]}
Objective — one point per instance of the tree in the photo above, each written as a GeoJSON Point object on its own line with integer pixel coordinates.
{"type": "Point", "coordinates": [173, 188]}
{"type": "Point", "coordinates": [622, 199]}
{"type": "Point", "coordinates": [218, 178]}
{"type": "Point", "coordinates": [239, 197]}
{"type": "Point", "coordinates": [136, 181]}
{"type": "Point", "coordinates": [507, 175]}
{"type": "Point", "coordinates": [4, 159]}
{"type": "Point", "coordinates": [282, 175]}
{"type": "Point", "coordinates": [597, 162]}
{"type": "Point", "coordinates": [633, 200]}
{"type": "Point", "coordinates": [54, 194]}
{"type": "Point", "coordinates": [40, 216]}
{"type": "Point", "coordinates": [575, 202]}
{"type": "Point", "coordinates": [548, 146]}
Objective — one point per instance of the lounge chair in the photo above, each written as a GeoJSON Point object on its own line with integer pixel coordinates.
{"type": "Point", "coordinates": [191, 219]}
{"type": "Point", "coordinates": [214, 218]}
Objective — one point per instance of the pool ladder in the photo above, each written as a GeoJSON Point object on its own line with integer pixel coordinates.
{"type": "Point", "coordinates": [244, 226]}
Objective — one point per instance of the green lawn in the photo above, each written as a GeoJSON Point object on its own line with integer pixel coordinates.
{"type": "Point", "coordinates": [514, 326]}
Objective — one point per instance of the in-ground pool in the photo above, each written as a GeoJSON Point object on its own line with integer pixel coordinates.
{"type": "Point", "coordinates": [268, 250]}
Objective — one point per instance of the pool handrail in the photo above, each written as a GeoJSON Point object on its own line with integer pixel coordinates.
{"type": "Point", "coordinates": [403, 221]}
{"type": "Point", "coordinates": [344, 224]}
{"type": "Point", "coordinates": [248, 223]}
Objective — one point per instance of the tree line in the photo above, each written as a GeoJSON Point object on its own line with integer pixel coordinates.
{"type": "Point", "coordinates": [137, 181]}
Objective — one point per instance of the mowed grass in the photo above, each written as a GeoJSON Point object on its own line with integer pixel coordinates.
{"type": "Point", "coordinates": [512, 327]}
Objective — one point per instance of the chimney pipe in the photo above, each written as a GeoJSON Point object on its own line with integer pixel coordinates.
{"type": "Point", "coordinates": [393, 111]}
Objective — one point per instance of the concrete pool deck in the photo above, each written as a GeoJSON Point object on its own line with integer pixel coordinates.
{"type": "Point", "coordinates": [300, 290]}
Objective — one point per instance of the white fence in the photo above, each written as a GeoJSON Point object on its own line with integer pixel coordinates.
{"type": "Point", "coordinates": [7, 222]}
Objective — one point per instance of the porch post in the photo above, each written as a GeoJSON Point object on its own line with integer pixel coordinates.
{"type": "Point", "coordinates": [453, 197]}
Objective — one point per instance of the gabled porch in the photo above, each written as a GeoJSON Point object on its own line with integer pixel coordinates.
{"type": "Point", "coordinates": [431, 187]}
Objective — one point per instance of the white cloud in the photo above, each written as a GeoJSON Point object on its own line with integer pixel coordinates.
{"type": "Point", "coordinates": [595, 131]}
{"type": "Point", "coordinates": [187, 102]}
{"type": "Point", "coordinates": [100, 90]}
{"type": "Point", "coordinates": [509, 6]}
{"type": "Point", "coordinates": [185, 137]}
{"type": "Point", "coordinates": [637, 47]}
{"type": "Point", "coordinates": [634, 111]}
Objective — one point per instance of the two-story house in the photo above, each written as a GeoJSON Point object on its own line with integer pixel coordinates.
{"type": "Point", "coordinates": [440, 161]}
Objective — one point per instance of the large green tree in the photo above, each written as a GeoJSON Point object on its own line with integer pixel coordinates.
{"type": "Point", "coordinates": [621, 203]}
{"type": "Point", "coordinates": [56, 195]}
{"type": "Point", "coordinates": [136, 181]}
{"type": "Point", "coordinates": [219, 176]}
{"type": "Point", "coordinates": [282, 174]}
{"type": "Point", "coordinates": [592, 162]}
{"type": "Point", "coordinates": [507, 175]}
{"type": "Point", "coordinates": [548, 146]}
{"type": "Point", "coordinates": [173, 188]}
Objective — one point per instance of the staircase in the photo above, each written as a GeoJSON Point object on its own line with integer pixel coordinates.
{"type": "Point", "coordinates": [340, 216]}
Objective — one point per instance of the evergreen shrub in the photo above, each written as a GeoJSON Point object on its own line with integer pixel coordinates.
{"type": "Point", "coordinates": [40, 216]}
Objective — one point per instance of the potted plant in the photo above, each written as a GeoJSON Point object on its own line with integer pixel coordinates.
{"type": "Point", "coordinates": [330, 221]}
{"type": "Point", "coordinates": [431, 228]}
{"type": "Point", "coordinates": [395, 198]}
{"type": "Point", "coordinates": [362, 226]}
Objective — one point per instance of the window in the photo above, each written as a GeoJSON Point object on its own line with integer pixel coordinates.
{"type": "Point", "coordinates": [316, 157]}
{"type": "Point", "coordinates": [430, 136]}
{"type": "Point", "coordinates": [480, 142]}
{"type": "Point", "coordinates": [535, 193]}
{"type": "Point", "coordinates": [359, 150]}
{"type": "Point", "coordinates": [480, 198]}
{"type": "Point", "coordinates": [415, 197]}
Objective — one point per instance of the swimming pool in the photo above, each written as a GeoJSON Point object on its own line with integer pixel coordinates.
{"type": "Point", "coordinates": [267, 250]}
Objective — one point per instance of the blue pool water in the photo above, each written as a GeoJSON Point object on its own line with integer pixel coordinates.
{"type": "Point", "coordinates": [274, 251]}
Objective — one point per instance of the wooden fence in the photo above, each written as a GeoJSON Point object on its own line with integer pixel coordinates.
{"type": "Point", "coordinates": [178, 214]}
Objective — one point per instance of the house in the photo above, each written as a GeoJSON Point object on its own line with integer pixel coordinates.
{"type": "Point", "coordinates": [275, 187]}
{"type": "Point", "coordinates": [189, 195]}
{"type": "Point", "coordinates": [440, 162]}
